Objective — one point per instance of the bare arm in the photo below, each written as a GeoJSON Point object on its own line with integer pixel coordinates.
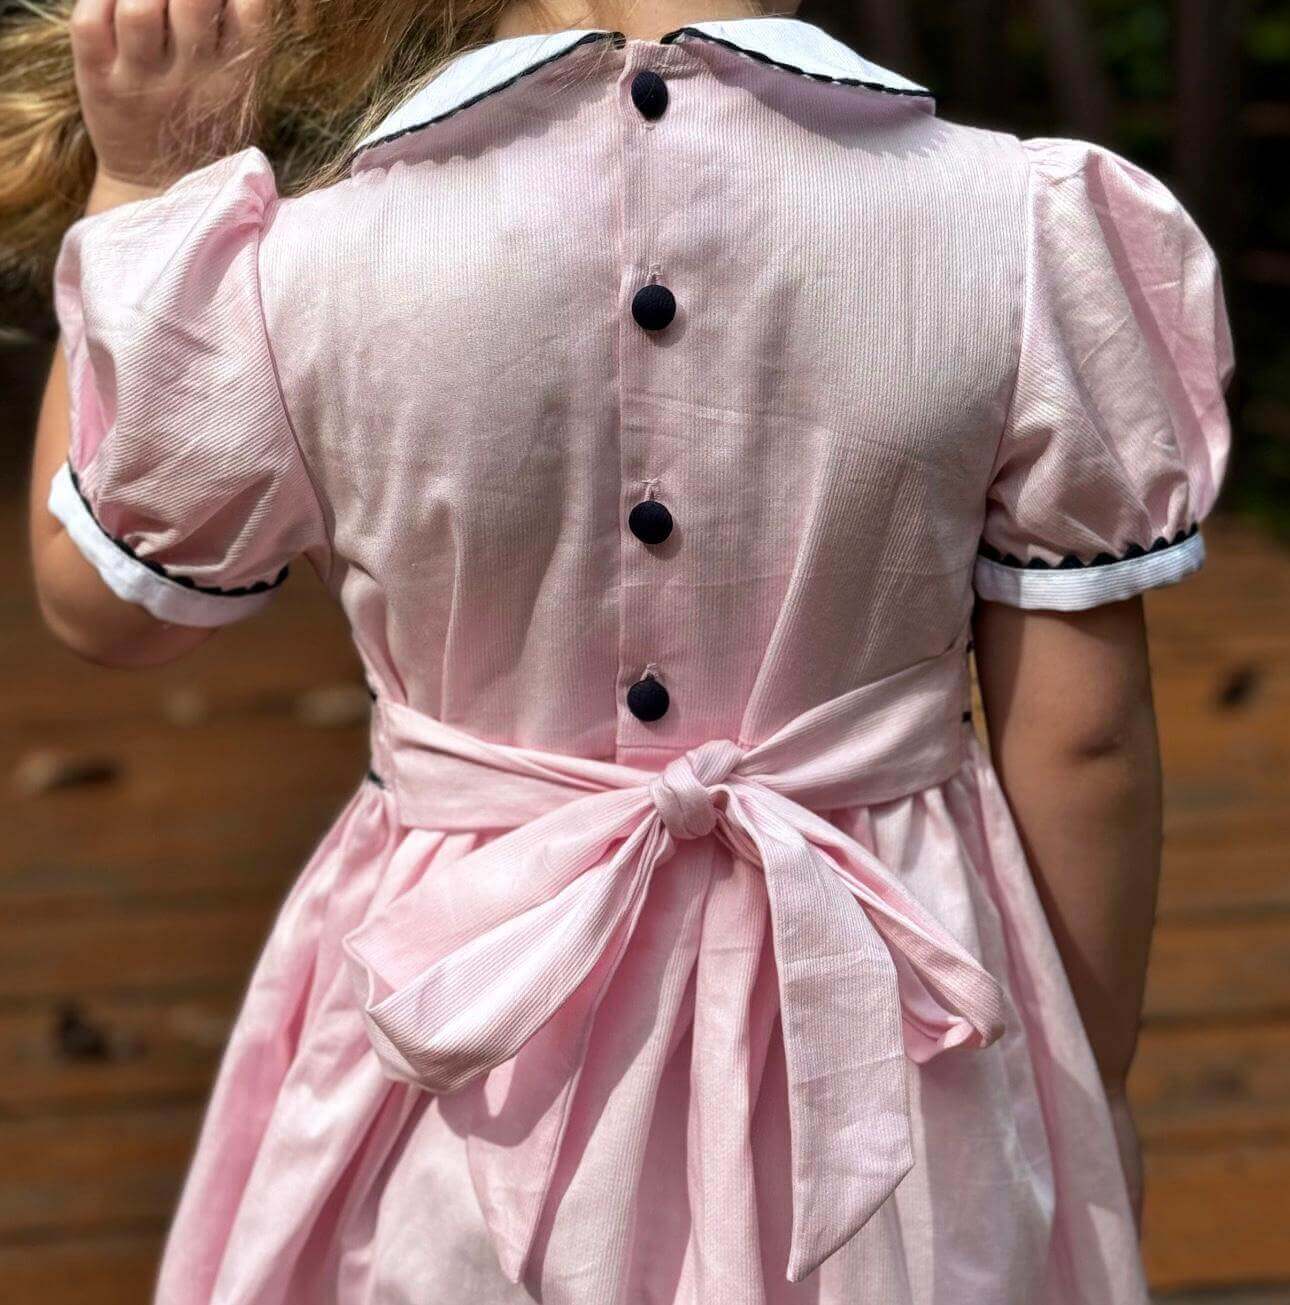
{"type": "Point", "coordinates": [1072, 728]}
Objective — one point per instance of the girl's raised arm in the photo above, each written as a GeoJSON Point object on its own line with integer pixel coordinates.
{"type": "Point", "coordinates": [146, 72]}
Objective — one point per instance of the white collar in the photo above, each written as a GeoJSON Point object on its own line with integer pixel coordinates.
{"type": "Point", "coordinates": [787, 43]}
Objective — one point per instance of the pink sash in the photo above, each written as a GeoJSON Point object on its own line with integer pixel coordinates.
{"type": "Point", "coordinates": [520, 937]}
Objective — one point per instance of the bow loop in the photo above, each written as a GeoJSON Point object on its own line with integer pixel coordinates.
{"type": "Point", "coordinates": [684, 792]}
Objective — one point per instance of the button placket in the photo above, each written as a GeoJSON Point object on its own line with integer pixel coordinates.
{"type": "Point", "coordinates": [651, 308]}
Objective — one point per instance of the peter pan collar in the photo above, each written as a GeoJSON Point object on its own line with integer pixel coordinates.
{"type": "Point", "coordinates": [787, 43]}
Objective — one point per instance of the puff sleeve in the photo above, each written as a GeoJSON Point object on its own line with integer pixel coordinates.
{"type": "Point", "coordinates": [1116, 440]}
{"type": "Point", "coordinates": [184, 485]}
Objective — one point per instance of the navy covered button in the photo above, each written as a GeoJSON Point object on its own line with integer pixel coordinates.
{"type": "Point", "coordinates": [649, 93]}
{"type": "Point", "coordinates": [650, 521]}
{"type": "Point", "coordinates": [647, 699]}
{"type": "Point", "coordinates": [653, 306]}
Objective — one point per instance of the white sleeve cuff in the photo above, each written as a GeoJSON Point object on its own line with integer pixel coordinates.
{"type": "Point", "coordinates": [1076, 588]}
{"type": "Point", "coordinates": [129, 577]}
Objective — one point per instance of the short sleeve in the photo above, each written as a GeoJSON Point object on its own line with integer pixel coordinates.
{"type": "Point", "coordinates": [184, 485]}
{"type": "Point", "coordinates": [1117, 436]}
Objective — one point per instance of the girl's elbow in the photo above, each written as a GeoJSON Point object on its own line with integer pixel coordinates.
{"type": "Point", "coordinates": [1123, 751]}
{"type": "Point", "coordinates": [78, 632]}
{"type": "Point", "coordinates": [1115, 734]}
{"type": "Point", "coordinates": [96, 625]}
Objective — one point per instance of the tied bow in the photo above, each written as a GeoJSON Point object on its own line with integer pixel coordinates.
{"type": "Point", "coordinates": [512, 947]}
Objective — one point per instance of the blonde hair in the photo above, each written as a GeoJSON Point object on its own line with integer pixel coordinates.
{"type": "Point", "coordinates": [328, 72]}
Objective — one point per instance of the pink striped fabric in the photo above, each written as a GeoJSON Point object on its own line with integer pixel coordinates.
{"type": "Point", "coordinates": [913, 364]}
{"type": "Point", "coordinates": [516, 946]}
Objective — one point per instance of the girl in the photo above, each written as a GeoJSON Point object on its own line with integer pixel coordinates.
{"type": "Point", "coordinates": [665, 393]}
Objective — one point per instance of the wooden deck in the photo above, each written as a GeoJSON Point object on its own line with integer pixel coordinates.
{"type": "Point", "coordinates": [152, 822]}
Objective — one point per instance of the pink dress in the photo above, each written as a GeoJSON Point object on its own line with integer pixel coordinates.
{"type": "Point", "coordinates": [656, 410]}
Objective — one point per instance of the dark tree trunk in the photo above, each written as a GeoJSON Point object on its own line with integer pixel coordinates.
{"type": "Point", "coordinates": [981, 69]}
{"type": "Point", "coordinates": [889, 36]}
{"type": "Point", "coordinates": [1207, 66]}
{"type": "Point", "coordinates": [1080, 84]}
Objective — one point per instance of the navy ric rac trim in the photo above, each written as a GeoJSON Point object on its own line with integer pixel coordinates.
{"type": "Point", "coordinates": [1072, 563]}
{"type": "Point", "coordinates": [672, 37]}
{"type": "Point", "coordinates": [617, 37]}
{"type": "Point", "coordinates": [240, 591]}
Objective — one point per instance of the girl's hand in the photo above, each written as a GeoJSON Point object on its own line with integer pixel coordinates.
{"type": "Point", "coordinates": [163, 87]}
{"type": "Point", "coordinates": [1126, 1139]}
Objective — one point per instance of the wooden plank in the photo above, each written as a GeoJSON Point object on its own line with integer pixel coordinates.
{"type": "Point", "coordinates": [1196, 723]}
{"type": "Point", "coordinates": [1216, 1217]}
{"type": "Point", "coordinates": [1224, 968]}
{"type": "Point", "coordinates": [1237, 606]}
{"type": "Point", "coordinates": [1212, 1084]}
{"type": "Point", "coordinates": [111, 1270]}
{"type": "Point", "coordinates": [1227, 821]}
{"type": "Point", "coordinates": [119, 1170]}
{"type": "Point", "coordinates": [111, 1053]}
{"type": "Point", "coordinates": [1219, 871]}
{"type": "Point", "coordinates": [255, 664]}
{"type": "Point", "coordinates": [233, 806]}
{"type": "Point", "coordinates": [1199, 741]}
{"type": "Point", "coordinates": [141, 947]}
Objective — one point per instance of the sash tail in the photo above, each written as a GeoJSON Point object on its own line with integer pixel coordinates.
{"type": "Point", "coordinates": [484, 981]}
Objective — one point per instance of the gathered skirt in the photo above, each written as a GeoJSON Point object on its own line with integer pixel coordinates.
{"type": "Point", "coordinates": [317, 1180]}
